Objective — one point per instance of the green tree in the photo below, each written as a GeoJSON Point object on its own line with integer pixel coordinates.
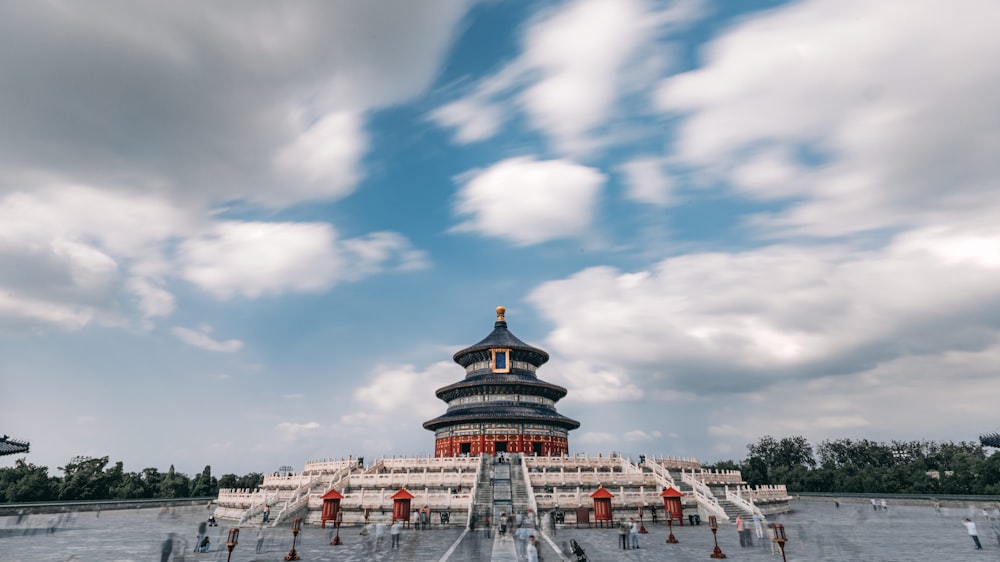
{"type": "Point", "coordinates": [130, 486]}
{"type": "Point", "coordinates": [769, 456]}
{"type": "Point", "coordinates": [249, 481]}
{"type": "Point", "coordinates": [175, 484]}
{"type": "Point", "coordinates": [204, 484]}
{"type": "Point", "coordinates": [84, 479]}
{"type": "Point", "coordinates": [26, 482]}
{"type": "Point", "coordinates": [152, 480]}
{"type": "Point", "coordinates": [724, 465]}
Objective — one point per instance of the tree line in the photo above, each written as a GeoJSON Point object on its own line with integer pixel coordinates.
{"type": "Point", "coordinates": [86, 478]}
{"type": "Point", "coordinates": [870, 467]}
{"type": "Point", "coordinates": [834, 466]}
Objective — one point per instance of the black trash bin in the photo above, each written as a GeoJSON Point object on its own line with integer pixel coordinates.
{"type": "Point", "coordinates": [697, 519]}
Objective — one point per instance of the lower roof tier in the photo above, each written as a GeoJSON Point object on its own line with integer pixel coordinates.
{"type": "Point", "coordinates": [506, 415]}
{"type": "Point", "coordinates": [516, 386]}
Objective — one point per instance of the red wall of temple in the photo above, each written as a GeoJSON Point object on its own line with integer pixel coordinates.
{"type": "Point", "coordinates": [452, 446]}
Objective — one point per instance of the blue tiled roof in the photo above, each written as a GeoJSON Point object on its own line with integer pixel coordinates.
{"type": "Point", "coordinates": [10, 446]}
{"type": "Point", "coordinates": [501, 337]}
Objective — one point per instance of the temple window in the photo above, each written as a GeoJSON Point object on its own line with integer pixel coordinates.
{"type": "Point", "coordinates": [500, 360]}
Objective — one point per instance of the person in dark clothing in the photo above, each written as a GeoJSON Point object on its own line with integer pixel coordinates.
{"type": "Point", "coordinates": [166, 548]}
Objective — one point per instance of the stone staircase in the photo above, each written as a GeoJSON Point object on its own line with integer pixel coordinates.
{"type": "Point", "coordinates": [719, 492]}
{"type": "Point", "coordinates": [681, 485]}
{"type": "Point", "coordinates": [483, 502]}
{"type": "Point", "coordinates": [503, 498]}
{"type": "Point", "coordinates": [731, 509]}
{"type": "Point", "coordinates": [518, 486]}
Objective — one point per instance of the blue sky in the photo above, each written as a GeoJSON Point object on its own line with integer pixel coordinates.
{"type": "Point", "coordinates": [252, 234]}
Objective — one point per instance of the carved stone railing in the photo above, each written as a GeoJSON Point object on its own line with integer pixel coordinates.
{"type": "Point", "coordinates": [703, 494]}
{"type": "Point", "coordinates": [676, 463]}
{"type": "Point", "coordinates": [769, 493]}
{"type": "Point", "coordinates": [744, 503]}
{"type": "Point", "coordinates": [292, 507]}
{"type": "Point", "coordinates": [572, 498]}
{"type": "Point", "coordinates": [414, 479]}
{"type": "Point", "coordinates": [532, 503]}
{"type": "Point", "coordinates": [719, 476]}
{"type": "Point", "coordinates": [662, 475]}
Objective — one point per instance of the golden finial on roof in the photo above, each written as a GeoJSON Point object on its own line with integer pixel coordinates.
{"type": "Point", "coordinates": [500, 312]}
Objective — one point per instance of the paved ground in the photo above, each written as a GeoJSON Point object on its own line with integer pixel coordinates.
{"type": "Point", "coordinates": [816, 531]}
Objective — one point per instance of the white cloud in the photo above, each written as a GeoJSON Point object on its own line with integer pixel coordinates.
{"type": "Point", "coordinates": [577, 62]}
{"type": "Point", "coordinates": [379, 251]}
{"type": "Point", "coordinates": [76, 247]}
{"type": "Point", "coordinates": [326, 155]}
{"type": "Point", "coordinates": [647, 182]}
{"type": "Point", "coordinates": [586, 382]}
{"type": "Point", "coordinates": [472, 119]}
{"type": "Point", "coordinates": [154, 300]}
{"type": "Point", "coordinates": [253, 259]}
{"type": "Point", "coordinates": [899, 136]}
{"type": "Point", "coordinates": [257, 258]}
{"type": "Point", "coordinates": [391, 389]}
{"type": "Point", "coordinates": [527, 201]}
{"type": "Point", "coordinates": [759, 316]}
{"type": "Point", "coordinates": [579, 52]}
{"type": "Point", "coordinates": [596, 438]}
{"type": "Point", "coordinates": [201, 338]}
{"type": "Point", "coordinates": [640, 435]}
{"type": "Point", "coordinates": [135, 115]}
{"type": "Point", "coordinates": [97, 194]}
{"type": "Point", "coordinates": [294, 431]}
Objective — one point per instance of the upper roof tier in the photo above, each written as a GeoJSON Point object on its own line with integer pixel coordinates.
{"type": "Point", "coordinates": [501, 337]}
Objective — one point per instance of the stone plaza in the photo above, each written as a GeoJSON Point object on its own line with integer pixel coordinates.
{"type": "Point", "coordinates": [816, 531]}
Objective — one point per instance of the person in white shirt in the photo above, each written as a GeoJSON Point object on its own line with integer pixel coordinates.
{"type": "Point", "coordinates": [521, 536]}
{"type": "Point", "coordinates": [394, 532]}
{"type": "Point", "coordinates": [531, 551]}
{"type": "Point", "coordinates": [971, 527]}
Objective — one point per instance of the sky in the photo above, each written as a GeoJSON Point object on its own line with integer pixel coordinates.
{"type": "Point", "coordinates": [251, 234]}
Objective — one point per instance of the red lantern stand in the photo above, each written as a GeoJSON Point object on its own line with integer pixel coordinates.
{"type": "Point", "coordinates": [331, 505]}
{"type": "Point", "coordinates": [672, 508]}
{"type": "Point", "coordinates": [401, 506]}
{"type": "Point", "coordinates": [603, 516]}
{"type": "Point", "coordinates": [672, 504]}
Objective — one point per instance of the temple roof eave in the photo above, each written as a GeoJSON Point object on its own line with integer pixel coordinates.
{"type": "Point", "coordinates": [536, 388]}
{"type": "Point", "coordinates": [501, 337]}
{"type": "Point", "coordinates": [446, 420]}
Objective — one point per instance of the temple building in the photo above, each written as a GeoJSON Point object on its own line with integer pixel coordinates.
{"type": "Point", "coordinates": [501, 405]}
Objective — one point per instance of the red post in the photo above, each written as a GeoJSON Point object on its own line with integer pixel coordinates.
{"type": "Point", "coordinates": [232, 541]}
{"type": "Point", "coordinates": [779, 537]}
{"type": "Point", "coordinates": [296, 527]}
{"type": "Point", "coordinates": [713, 524]}
{"type": "Point", "coordinates": [336, 538]}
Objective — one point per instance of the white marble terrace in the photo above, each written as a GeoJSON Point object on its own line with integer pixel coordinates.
{"type": "Point", "coordinates": [448, 484]}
